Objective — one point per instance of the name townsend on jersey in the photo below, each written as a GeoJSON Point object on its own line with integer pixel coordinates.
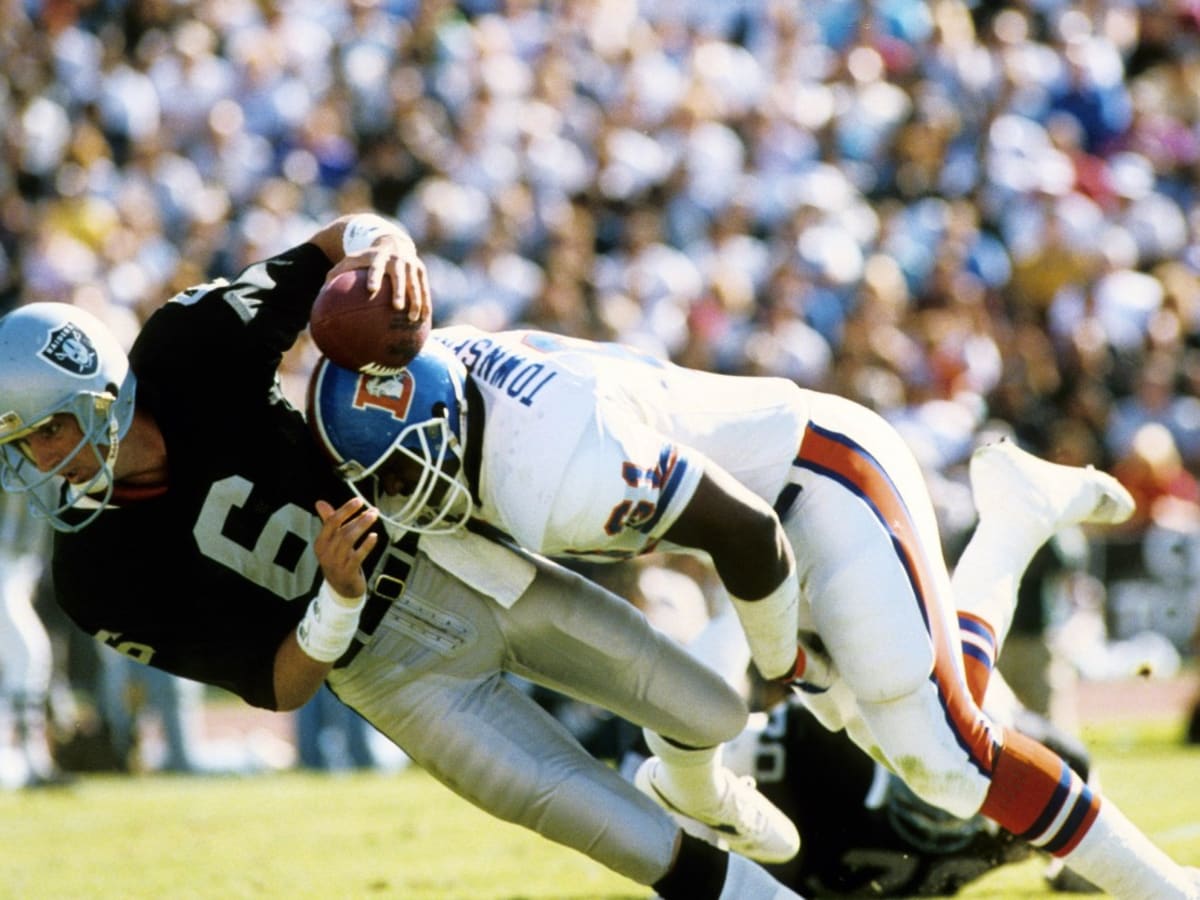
{"type": "Point", "coordinates": [489, 362]}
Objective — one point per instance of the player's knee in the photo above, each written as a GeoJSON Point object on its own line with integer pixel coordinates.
{"type": "Point", "coordinates": [901, 655]}
{"type": "Point", "coordinates": [711, 713]}
{"type": "Point", "coordinates": [953, 789]}
{"type": "Point", "coordinates": [724, 716]}
{"type": "Point", "coordinates": [897, 678]}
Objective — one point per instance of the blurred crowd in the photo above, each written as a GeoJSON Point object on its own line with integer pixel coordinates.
{"type": "Point", "coordinates": [968, 215]}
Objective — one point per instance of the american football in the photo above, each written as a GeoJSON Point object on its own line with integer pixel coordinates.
{"type": "Point", "coordinates": [364, 333]}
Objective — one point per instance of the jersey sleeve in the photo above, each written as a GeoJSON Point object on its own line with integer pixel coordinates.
{"type": "Point", "coordinates": [623, 488]}
{"type": "Point", "coordinates": [233, 330]}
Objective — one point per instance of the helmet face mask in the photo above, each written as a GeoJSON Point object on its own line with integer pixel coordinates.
{"type": "Point", "coordinates": [47, 498]}
{"type": "Point", "coordinates": [56, 358]}
{"type": "Point", "coordinates": [439, 500]}
{"type": "Point", "coordinates": [398, 439]}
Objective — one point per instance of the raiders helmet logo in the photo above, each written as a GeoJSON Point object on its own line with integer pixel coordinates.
{"type": "Point", "coordinates": [71, 350]}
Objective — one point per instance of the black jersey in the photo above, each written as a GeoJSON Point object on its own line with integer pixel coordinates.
{"type": "Point", "coordinates": [207, 579]}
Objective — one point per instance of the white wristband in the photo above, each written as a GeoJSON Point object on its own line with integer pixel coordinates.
{"type": "Point", "coordinates": [772, 625]}
{"type": "Point", "coordinates": [328, 625]}
{"type": "Point", "coordinates": [362, 230]}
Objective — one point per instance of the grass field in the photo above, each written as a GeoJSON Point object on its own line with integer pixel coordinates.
{"type": "Point", "coordinates": [300, 835]}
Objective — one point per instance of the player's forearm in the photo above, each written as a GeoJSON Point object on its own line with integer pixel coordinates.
{"type": "Point", "coordinates": [771, 619]}
{"type": "Point", "coordinates": [307, 654]}
{"type": "Point", "coordinates": [739, 531]}
{"type": "Point", "coordinates": [754, 560]}
{"type": "Point", "coordinates": [297, 675]}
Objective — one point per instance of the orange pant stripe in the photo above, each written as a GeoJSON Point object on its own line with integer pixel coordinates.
{"type": "Point", "coordinates": [836, 456]}
{"type": "Point", "coordinates": [1033, 793]}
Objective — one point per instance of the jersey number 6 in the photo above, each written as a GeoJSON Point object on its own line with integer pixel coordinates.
{"type": "Point", "coordinates": [274, 551]}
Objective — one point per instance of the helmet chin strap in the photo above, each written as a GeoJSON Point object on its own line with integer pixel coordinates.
{"type": "Point", "coordinates": [114, 447]}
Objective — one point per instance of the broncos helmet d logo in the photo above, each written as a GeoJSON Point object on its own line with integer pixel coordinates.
{"type": "Point", "coordinates": [393, 393]}
{"type": "Point", "coordinates": [69, 348]}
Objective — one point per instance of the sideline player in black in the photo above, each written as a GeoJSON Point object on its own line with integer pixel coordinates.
{"type": "Point", "coordinates": [201, 531]}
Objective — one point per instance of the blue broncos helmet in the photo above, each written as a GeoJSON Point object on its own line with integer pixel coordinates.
{"type": "Point", "coordinates": [420, 413]}
{"type": "Point", "coordinates": [58, 358]}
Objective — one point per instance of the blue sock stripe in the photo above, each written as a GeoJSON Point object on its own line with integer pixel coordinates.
{"type": "Point", "coordinates": [1079, 811]}
{"type": "Point", "coordinates": [1052, 809]}
{"type": "Point", "coordinates": [980, 654]}
{"type": "Point", "coordinates": [973, 625]}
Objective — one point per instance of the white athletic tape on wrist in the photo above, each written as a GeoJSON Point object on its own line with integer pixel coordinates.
{"type": "Point", "coordinates": [362, 230]}
{"type": "Point", "coordinates": [771, 625]}
{"type": "Point", "coordinates": [329, 625]}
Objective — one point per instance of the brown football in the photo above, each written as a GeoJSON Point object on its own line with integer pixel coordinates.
{"type": "Point", "coordinates": [364, 333]}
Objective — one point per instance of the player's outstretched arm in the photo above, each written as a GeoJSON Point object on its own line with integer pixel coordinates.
{"type": "Point", "coordinates": [754, 560]}
{"type": "Point", "coordinates": [306, 655]}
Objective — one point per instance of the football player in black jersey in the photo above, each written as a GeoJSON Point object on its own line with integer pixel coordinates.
{"type": "Point", "coordinates": [201, 531]}
{"type": "Point", "coordinates": [205, 538]}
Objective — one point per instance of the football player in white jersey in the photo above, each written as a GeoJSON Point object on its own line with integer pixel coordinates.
{"type": "Point", "coordinates": [242, 561]}
{"type": "Point", "coordinates": [817, 520]}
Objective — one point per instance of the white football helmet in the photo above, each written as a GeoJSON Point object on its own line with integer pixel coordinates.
{"type": "Point", "coordinates": [58, 358]}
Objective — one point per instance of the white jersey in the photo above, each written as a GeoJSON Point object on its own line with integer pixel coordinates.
{"type": "Point", "coordinates": [593, 450]}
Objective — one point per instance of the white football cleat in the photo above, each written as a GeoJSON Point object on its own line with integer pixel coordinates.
{"type": "Point", "coordinates": [1008, 482]}
{"type": "Point", "coordinates": [743, 822]}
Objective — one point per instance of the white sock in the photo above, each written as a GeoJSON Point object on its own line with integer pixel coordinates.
{"type": "Point", "coordinates": [689, 776]}
{"type": "Point", "coordinates": [988, 573]}
{"type": "Point", "coordinates": [1118, 858]}
{"type": "Point", "coordinates": [746, 880]}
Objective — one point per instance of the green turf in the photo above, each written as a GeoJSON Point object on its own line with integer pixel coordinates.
{"type": "Point", "coordinates": [300, 835]}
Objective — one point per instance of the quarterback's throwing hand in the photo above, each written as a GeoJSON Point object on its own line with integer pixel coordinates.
{"type": "Point", "coordinates": [344, 542]}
